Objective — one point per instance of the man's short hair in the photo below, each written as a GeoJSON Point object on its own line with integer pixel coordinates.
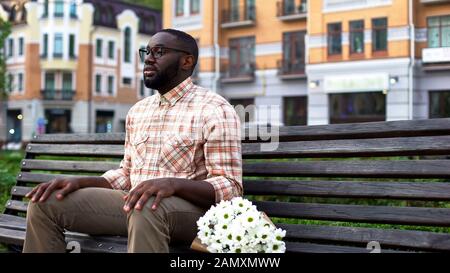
{"type": "Point", "coordinates": [189, 42]}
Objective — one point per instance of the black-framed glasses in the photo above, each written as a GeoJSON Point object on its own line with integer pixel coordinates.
{"type": "Point", "coordinates": [157, 52]}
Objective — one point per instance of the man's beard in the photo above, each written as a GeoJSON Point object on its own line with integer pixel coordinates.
{"type": "Point", "coordinates": [161, 79]}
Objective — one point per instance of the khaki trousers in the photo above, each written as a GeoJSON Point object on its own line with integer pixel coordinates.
{"type": "Point", "coordinates": [98, 211]}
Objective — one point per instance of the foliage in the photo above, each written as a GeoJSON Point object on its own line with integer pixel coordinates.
{"type": "Point", "coordinates": [5, 30]}
{"type": "Point", "coordinates": [156, 4]}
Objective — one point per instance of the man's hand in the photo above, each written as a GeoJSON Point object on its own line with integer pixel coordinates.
{"type": "Point", "coordinates": [161, 188]}
{"type": "Point", "coordinates": [65, 185]}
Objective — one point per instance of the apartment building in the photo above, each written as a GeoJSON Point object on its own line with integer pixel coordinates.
{"type": "Point", "coordinates": [251, 52]}
{"type": "Point", "coordinates": [73, 66]}
{"type": "Point", "coordinates": [323, 61]}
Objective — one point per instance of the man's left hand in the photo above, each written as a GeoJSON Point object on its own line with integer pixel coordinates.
{"type": "Point", "coordinates": [161, 188]}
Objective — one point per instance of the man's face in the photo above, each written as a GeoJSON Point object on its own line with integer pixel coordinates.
{"type": "Point", "coordinates": [162, 71]}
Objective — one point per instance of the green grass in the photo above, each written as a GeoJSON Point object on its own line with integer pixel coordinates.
{"type": "Point", "coordinates": [156, 4]}
{"type": "Point", "coordinates": [9, 167]}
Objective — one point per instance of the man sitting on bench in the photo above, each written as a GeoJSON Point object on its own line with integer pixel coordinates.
{"type": "Point", "coordinates": [182, 155]}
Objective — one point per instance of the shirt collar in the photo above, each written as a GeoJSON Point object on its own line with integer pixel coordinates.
{"type": "Point", "coordinates": [176, 93]}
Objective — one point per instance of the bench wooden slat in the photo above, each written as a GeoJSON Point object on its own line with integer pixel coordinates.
{"type": "Point", "coordinates": [103, 138]}
{"type": "Point", "coordinates": [358, 213]}
{"type": "Point", "coordinates": [20, 191]}
{"type": "Point", "coordinates": [12, 236]}
{"type": "Point", "coordinates": [76, 150]}
{"type": "Point", "coordinates": [60, 165]}
{"type": "Point", "coordinates": [16, 205]}
{"type": "Point", "coordinates": [334, 212]}
{"type": "Point", "coordinates": [296, 247]}
{"type": "Point", "coordinates": [391, 238]}
{"type": "Point", "coordinates": [352, 168]}
{"type": "Point", "coordinates": [432, 191]}
{"type": "Point", "coordinates": [403, 128]}
{"type": "Point", "coordinates": [27, 177]}
{"type": "Point", "coordinates": [437, 145]}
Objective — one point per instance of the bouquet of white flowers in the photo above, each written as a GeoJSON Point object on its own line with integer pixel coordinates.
{"type": "Point", "coordinates": [236, 226]}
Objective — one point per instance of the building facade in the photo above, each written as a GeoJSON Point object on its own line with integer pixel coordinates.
{"type": "Point", "coordinates": [323, 61]}
{"type": "Point", "coordinates": [73, 66]}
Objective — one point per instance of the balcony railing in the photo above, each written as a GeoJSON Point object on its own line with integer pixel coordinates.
{"type": "Point", "coordinates": [287, 11]}
{"type": "Point", "coordinates": [291, 69]}
{"type": "Point", "coordinates": [238, 72]}
{"type": "Point", "coordinates": [57, 94]}
{"type": "Point", "coordinates": [239, 16]}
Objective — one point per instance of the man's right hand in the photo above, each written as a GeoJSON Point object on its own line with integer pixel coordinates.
{"type": "Point", "coordinates": [64, 185]}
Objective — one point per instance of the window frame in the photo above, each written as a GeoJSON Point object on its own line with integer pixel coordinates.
{"type": "Point", "coordinates": [375, 29]}
{"type": "Point", "coordinates": [331, 35]}
{"type": "Point", "coordinates": [439, 27]}
{"type": "Point", "coordinates": [354, 31]}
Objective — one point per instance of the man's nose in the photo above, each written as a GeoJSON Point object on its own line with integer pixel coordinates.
{"type": "Point", "coordinates": [149, 59]}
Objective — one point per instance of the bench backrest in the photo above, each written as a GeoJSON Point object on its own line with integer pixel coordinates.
{"type": "Point", "coordinates": [334, 187]}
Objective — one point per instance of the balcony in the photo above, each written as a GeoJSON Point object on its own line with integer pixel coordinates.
{"type": "Point", "coordinates": [239, 17]}
{"type": "Point", "coordinates": [291, 12]}
{"type": "Point", "coordinates": [436, 58]}
{"type": "Point", "coordinates": [429, 2]}
{"type": "Point", "coordinates": [291, 69]}
{"type": "Point", "coordinates": [59, 94]}
{"type": "Point", "coordinates": [239, 73]}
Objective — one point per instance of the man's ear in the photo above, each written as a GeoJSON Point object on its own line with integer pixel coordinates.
{"type": "Point", "coordinates": [187, 62]}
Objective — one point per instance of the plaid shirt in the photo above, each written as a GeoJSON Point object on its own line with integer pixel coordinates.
{"type": "Point", "coordinates": [189, 133]}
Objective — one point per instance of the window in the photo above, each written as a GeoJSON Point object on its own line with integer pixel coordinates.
{"type": "Point", "coordinates": [21, 46]}
{"type": "Point", "coordinates": [242, 57]}
{"type": "Point", "coordinates": [357, 107]}
{"type": "Point", "coordinates": [439, 104]}
{"type": "Point", "coordinates": [98, 83]}
{"type": "Point", "coordinates": [293, 53]}
{"type": "Point", "coordinates": [58, 50]}
{"type": "Point", "coordinates": [334, 39]}
{"type": "Point", "coordinates": [357, 37]}
{"type": "Point", "coordinates": [67, 81]}
{"type": "Point", "coordinates": [379, 34]}
{"type": "Point", "coordinates": [98, 48]}
{"type": "Point", "coordinates": [111, 49]}
{"type": "Point", "coordinates": [195, 7]}
{"type": "Point", "coordinates": [11, 47]}
{"type": "Point", "coordinates": [20, 83]}
{"type": "Point", "coordinates": [67, 89]}
{"type": "Point", "coordinates": [288, 7]}
{"type": "Point", "coordinates": [110, 85]}
{"type": "Point", "coordinates": [10, 84]}
{"type": "Point", "coordinates": [104, 121]}
{"type": "Point", "coordinates": [45, 46]}
{"type": "Point", "coordinates": [248, 115]}
{"type": "Point", "coordinates": [49, 85]}
{"type": "Point", "coordinates": [73, 9]}
{"type": "Point", "coordinates": [59, 8]}
{"type": "Point", "coordinates": [179, 7]}
{"type": "Point", "coordinates": [295, 110]}
{"type": "Point", "coordinates": [72, 45]}
{"type": "Point", "coordinates": [127, 45]}
{"type": "Point", "coordinates": [439, 31]}
{"type": "Point", "coordinates": [126, 81]}
{"type": "Point", "coordinates": [234, 9]}
{"type": "Point", "coordinates": [45, 14]}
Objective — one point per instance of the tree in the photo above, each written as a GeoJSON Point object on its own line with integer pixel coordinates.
{"type": "Point", "coordinates": [5, 30]}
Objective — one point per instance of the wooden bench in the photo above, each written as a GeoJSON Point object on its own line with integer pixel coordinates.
{"type": "Point", "coordinates": [340, 186]}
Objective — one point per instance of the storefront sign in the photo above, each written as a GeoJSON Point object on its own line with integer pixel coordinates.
{"type": "Point", "coordinates": [356, 82]}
